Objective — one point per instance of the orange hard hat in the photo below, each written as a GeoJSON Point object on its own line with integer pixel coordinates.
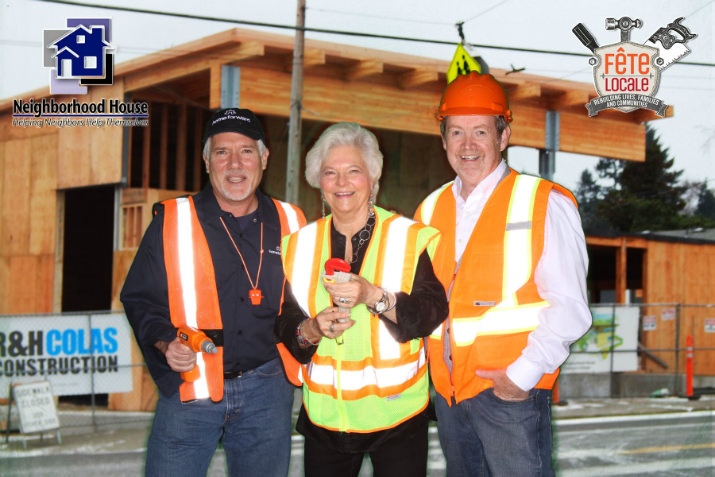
{"type": "Point", "coordinates": [474, 94]}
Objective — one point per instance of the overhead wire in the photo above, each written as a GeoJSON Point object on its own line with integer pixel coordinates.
{"type": "Point", "coordinates": [379, 17]}
{"type": "Point", "coordinates": [484, 11]}
{"type": "Point", "coordinates": [330, 31]}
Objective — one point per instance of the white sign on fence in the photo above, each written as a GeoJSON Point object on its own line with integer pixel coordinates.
{"type": "Point", "coordinates": [77, 354]}
{"type": "Point", "coordinates": [36, 407]}
{"type": "Point", "coordinates": [591, 354]}
{"type": "Point", "coordinates": [667, 314]}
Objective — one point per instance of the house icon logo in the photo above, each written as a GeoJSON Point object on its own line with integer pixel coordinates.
{"type": "Point", "coordinates": [79, 55]}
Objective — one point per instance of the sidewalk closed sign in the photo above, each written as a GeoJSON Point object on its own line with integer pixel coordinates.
{"type": "Point", "coordinates": [36, 407]}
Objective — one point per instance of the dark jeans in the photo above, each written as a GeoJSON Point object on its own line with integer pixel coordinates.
{"type": "Point", "coordinates": [486, 436]}
{"type": "Point", "coordinates": [253, 422]}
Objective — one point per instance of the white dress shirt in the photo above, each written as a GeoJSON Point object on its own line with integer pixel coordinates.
{"type": "Point", "coordinates": [560, 278]}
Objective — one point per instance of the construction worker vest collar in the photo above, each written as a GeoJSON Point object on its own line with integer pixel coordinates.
{"type": "Point", "coordinates": [494, 301]}
{"type": "Point", "coordinates": [193, 296]}
{"type": "Point", "coordinates": [370, 382]}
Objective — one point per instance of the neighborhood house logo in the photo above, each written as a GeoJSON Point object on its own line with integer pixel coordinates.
{"type": "Point", "coordinates": [79, 55]}
{"type": "Point", "coordinates": [627, 74]}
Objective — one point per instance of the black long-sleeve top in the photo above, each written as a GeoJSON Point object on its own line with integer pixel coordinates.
{"type": "Point", "coordinates": [248, 339]}
{"type": "Point", "coordinates": [418, 314]}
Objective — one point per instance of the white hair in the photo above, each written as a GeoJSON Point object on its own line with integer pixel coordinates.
{"type": "Point", "coordinates": [345, 134]}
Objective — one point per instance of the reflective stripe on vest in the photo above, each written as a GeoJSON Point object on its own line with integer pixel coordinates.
{"type": "Point", "coordinates": [517, 238]}
{"type": "Point", "coordinates": [430, 202]}
{"type": "Point", "coordinates": [343, 381]}
{"type": "Point", "coordinates": [360, 379]}
{"type": "Point", "coordinates": [186, 260]}
{"type": "Point", "coordinates": [293, 217]}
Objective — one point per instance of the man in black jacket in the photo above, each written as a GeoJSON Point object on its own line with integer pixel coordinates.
{"type": "Point", "coordinates": [212, 262]}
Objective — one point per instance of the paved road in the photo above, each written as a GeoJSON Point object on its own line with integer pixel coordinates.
{"type": "Point", "coordinates": [672, 444]}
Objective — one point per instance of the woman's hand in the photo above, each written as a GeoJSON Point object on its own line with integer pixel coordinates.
{"type": "Point", "coordinates": [330, 323]}
{"type": "Point", "coordinates": [354, 292]}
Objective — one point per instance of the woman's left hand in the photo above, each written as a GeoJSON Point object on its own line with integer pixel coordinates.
{"type": "Point", "coordinates": [354, 292]}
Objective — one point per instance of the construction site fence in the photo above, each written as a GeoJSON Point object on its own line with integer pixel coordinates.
{"type": "Point", "coordinates": [87, 356]}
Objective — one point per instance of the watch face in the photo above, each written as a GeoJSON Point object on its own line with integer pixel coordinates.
{"type": "Point", "coordinates": [380, 306]}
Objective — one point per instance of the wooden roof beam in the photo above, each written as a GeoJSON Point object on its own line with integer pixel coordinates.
{"type": "Point", "coordinates": [363, 69]}
{"type": "Point", "coordinates": [244, 51]}
{"type": "Point", "coordinates": [571, 98]}
{"type": "Point", "coordinates": [418, 77]}
{"type": "Point", "coordinates": [525, 91]}
{"type": "Point", "coordinates": [311, 57]}
{"type": "Point", "coordinates": [190, 64]}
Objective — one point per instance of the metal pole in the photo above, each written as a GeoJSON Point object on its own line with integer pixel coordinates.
{"type": "Point", "coordinates": [612, 357]}
{"type": "Point", "coordinates": [296, 99]}
{"type": "Point", "coordinates": [676, 384]}
{"type": "Point", "coordinates": [93, 371]}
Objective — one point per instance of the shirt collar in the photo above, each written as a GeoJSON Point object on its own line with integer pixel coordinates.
{"type": "Point", "coordinates": [485, 187]}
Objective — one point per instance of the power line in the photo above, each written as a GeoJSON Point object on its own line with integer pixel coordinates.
{"type": "Point", "coordinates": [381, 17]}
{"type": "Point", "coordinates": [329, 31]}
{"type": "Point", "coordinates": [485, 11]}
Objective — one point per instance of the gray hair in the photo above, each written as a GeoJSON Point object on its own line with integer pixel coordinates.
{"type": "Point", "coordinates": [207, 148]}
{"type": "Point", "coordinates": [500, 124]}
{"type": "Point", "coordinates": [345, 134]}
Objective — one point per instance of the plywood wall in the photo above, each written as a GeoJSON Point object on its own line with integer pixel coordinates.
{"type": "Point", "coordinates": [680, 273]}
{"type": "Point", "coordinates": [28, 227]}
{"type": "Point", "coordinates": [90, 155]}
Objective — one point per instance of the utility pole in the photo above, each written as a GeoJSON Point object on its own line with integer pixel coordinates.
{"type": "Point", "coordinates": [296, 100]}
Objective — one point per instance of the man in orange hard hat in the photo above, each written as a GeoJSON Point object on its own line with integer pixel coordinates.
{"type": "Point", "coordinates": [513, 257]}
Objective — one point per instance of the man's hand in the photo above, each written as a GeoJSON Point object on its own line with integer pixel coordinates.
{"type": "Point", "coordinates": [179, 357]}
{"type": "Point", "coordinates": [504, 388]}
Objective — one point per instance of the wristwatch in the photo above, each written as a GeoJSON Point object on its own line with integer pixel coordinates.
{"type": "Point", "coordinates": [380, 305]}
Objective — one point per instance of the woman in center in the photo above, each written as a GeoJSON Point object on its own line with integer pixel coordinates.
{"type": "Point", "coordinates": [364, 370]}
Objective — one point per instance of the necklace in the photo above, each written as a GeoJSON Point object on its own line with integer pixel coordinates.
{"type": "Point", "coordinates": [364, 235]}
{"type": "Point", "coordinates": [254, 294]}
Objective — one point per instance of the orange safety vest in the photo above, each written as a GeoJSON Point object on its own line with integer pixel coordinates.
{"type": "Point", "coordinates": [370, 382]}
{"type": "Point", "coordinates": [193, 296]}
{"type": "Point", "coordinates": [494, 302]}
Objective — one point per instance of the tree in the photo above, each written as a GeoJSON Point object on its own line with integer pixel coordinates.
{"type": "Point", "coordinates": [642, 196]}
{"type": "Point", "coordinates": [706, 202]}
{"type": "Point", "coordinates": [588, 194]}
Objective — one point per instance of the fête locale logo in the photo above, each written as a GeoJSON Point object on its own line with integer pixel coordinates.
{"type": "Point", "coordinates": [627, 74]}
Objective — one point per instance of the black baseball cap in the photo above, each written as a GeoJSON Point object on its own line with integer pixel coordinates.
{"type": "Point", "coordinates": [241, 121]}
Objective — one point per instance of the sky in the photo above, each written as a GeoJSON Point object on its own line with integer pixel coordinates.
{"type": "Point", "coordinates": [545, 25]}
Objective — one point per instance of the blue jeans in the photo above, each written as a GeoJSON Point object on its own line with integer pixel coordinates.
{"type": "Point", "coordinates": [486, 436]}
{"type": "Point", "coordinates": [253, 422]}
